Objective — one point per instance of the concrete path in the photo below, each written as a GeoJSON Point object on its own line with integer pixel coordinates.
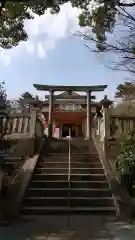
{"type": "Point", "coordinates": [60, 228]}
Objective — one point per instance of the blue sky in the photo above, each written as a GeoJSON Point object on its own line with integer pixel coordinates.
{"type": "Point", "coordinates": [53, 56]}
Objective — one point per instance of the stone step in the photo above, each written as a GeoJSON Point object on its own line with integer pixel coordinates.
{"type": "Point", "coordinates": [10, 157]}
{"type": "Point", "coordinates": [49, 192]}
{"type": "Point", "coordinates": [82, 143]}
{"type": "Point", "coordinates": [65, 149]}
{"type": "Point", "coordinates": [72, 170]}
{"type": "Point", "coordinates": [64, 192]}
{"type": "Point", "coordinates": [72, 202]}
{"type": "Point", "coordinates": [9, 167]}
{"type": "Point", "coordinates": [40, 210]}
{"type": "Point", "coordinates": [61, 154]}
{"type": "Point", "coordinates": [65, 184]}
{"type": "Point", "coordinates": [61, 164]}
{"type": "Point", "coordinates": [73, 158]}
{"type": "Point", "coordinates": [76, 147]}
{"type": "Point", "coordinates": [82, 149]}
{"type": "Point", "coordinates": [73, 177]}
{"type": "Point", "coordinates": [10, 163]}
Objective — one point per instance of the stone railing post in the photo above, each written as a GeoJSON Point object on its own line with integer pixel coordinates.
{"type": "Point", "coordinates": [32, 123]}
{"type": "Point", "coordinates": [3, 129]}
{"type": "Point", "coordinates": [106, 116]}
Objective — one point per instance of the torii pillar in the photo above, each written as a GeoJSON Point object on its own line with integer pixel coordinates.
{"type": "Point", "coordinates": [89, 116]}
{"type": "Point", "coordinates": [50, 113]}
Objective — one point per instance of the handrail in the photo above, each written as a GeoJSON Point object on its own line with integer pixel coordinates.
{"type": "Point", "coordinates": [69, 156]}
{"type": "Point", "coordinates": [69, 177]}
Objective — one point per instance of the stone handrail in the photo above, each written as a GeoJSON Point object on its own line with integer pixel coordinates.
{"type": "Point", "coordinates": [24, 132]}
{"type": "Point", "coordinates": [114, 124]}
{"type": "Point", "coordinates": [122, 200]}
{"type": "Point", "coordinates": [121, 125]}
{"type": "Point", "coordinates": [107, 138]}
{"type": "Point", "coordinates": [109, 167]}
{"type": "Point", "coordinates": [110, 173]}
{"type": "Point", "coordinates": [16, 126]}
{"type": "Point", "coordinates": [101, 128]}
{"type": "Point", "coordinates": [16, 185]}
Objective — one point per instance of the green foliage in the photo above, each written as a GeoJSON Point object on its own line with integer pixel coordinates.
{"type": "Point", "coordinates": [12, 24]}
{"type": "Point", "coordinates": [126, 159]}
{"type": "Point", "coordinates": [4, 103]}
{"type": "Point", "coordinates": [133, 50]}
{"type": "Point", "coordinates": [127, 145]}
{"type": "Point", "coordinates": [82, 20]}
{"type": "Point", "coordinates": [26, 98]}
{"type": "Point", "coordinates": [26, 95]}
{"type": "Point", "coordinates": [101, 19]}
{"type": "Point", "coordinates": [125, 91]}
{"type": "Point", "coordinates": [100, 15]}
{"type": "Point", "coordinates": [12, 30]}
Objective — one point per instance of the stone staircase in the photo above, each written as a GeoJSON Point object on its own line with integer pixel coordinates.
{"type": "Point", "coordinates": [50, 192]}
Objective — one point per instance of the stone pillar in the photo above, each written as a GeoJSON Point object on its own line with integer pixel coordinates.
{"type": "Point", "coordinates": [50, 113]}
{"type": "Point", "coordinates": [106, 114]}
{"type": "Point", "coordinates": [32, 123]}
{"type": "Point", "coordinates": [84, 127]}
{"type": "Point", "coordinates": [89, 116]}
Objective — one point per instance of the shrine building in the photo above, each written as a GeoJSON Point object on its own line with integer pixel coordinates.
{"type": "Point", "coordinates": [69, 112]}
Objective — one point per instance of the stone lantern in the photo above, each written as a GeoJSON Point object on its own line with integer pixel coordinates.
{"type": "Point", "coordinates": [105, 102]}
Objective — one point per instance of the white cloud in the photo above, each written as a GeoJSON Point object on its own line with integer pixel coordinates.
{"type": "Point", "coordinates": [6, 60]}
{"type": "Point", "coordinates": [44, 32]}
{"type": "Point", "coordinates": [49, 44]}
{"type": "Point", "coordinates": [30, 48]}
{"type": "Point", "coordinates": [4, 57]}
{"type": "Point", "coordinates": [40, 50]}
{"type": "Point", "coordinates": [52, 27]}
